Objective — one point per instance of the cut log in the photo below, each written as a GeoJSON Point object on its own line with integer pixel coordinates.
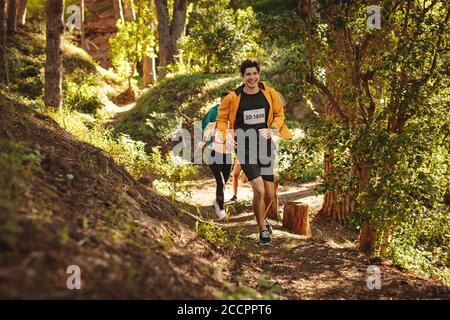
{"type": "Point", "coordinates": [296, 218]}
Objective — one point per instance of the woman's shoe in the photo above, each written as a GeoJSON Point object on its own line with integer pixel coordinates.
{"type": "Point", "coordinates": [220, 214]}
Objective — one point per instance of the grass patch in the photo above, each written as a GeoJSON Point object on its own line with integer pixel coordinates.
{"type": "Point", "coordinates": [218, 236]}
{"type": "Point", "coordinates": [173, 103]}
{"type": "Point", "coordinates": [125, 151]}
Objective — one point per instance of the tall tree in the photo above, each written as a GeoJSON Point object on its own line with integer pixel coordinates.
{"type": "Point", "coordinates": [149, 71]}
{"type": "Point", "coordinates": [21, 12]}
{"type": "Point", "coordinates": [380, 85]}
{"type": "Point", "coordinates": [3, 59]}
{"type": "Point", "coordinates": [149, 61]}
{"type": "Point", "coordinates": [11, 25]}
{"type": "Point", "coordinates": [53, 50]}
{"type": "Point", "coordinates": [169, 30]}
{"type": "Point", "coordinates": [133, 42]}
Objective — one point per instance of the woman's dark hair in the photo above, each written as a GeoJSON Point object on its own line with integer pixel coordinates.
{"type": "Point", "coordinates": [249, 63]}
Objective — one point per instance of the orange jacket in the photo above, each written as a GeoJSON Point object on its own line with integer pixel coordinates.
{"type": "Point", "coordinates": [226, 118]}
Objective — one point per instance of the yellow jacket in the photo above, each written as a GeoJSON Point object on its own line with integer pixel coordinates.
{"type": "Point", "coordinates": [226, 117]}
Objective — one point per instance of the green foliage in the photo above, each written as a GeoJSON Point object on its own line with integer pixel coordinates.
{"type": "Point", "coordinates": [172, 172]}
{"type": "Point", "coordinates": [218, 37]}
{"type": "Point", "coordinates": [125, 151]}
{"type": "Point", "coordinates": [217, 235]}
{"type": "Point", "coordinates": [26, 58]}
{"type": "Point", "coordinates": [133, 42]}
{"type": "Point", "coordinates": [36, 10]}
{"type": "Point", "coordinates": [162, 125]}
{"type": "Point", "coordinates": [77, 63]}
{"type": "Point", "coordinates": [273, 7]}
{"type": "Point", "coordinates": [173, 103]}
{"type": "Point", "coordinates": [26, 72]}
{"type": "Point", "coordinates": [83, 97]}
{"type": "Point", "coordinates": [416, 181]}
{"type": "Point", "coordinates": [387, 132]}
{"type": "Point", "coordinates": [300, 158]}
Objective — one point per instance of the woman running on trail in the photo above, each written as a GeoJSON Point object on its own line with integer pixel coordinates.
{"type": "Point", "coordinates": [219, 159]}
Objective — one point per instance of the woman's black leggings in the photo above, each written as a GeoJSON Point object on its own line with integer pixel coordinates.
{"type": "Point", "coordinates": [221, 171]}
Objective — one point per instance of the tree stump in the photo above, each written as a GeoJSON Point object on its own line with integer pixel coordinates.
{"type": "Point", "coordinates": [296, 218]}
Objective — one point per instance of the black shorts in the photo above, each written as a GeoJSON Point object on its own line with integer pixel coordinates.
{"type": "Point", "coordinates": [253, 171]}
{"type": "Point", "coordinates": [255, 163]}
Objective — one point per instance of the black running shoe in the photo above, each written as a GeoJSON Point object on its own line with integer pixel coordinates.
{"type": "Point", "coordinates": [268, 226]}
{"type": "Point", "coordinates": [234, 198]}
{"type": "Point", "coordinates": [264, 238]}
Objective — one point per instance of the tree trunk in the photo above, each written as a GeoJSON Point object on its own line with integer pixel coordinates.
{"type": "Point", "coordinates": [128, 11]}
{"type": "Point", "coordinates": [367, 240]}
{"type": "Point", "coordinates": [21, 12]}
{"type": "Point", "coordinates": [118, 10]}
{"type": "Point", "coordinates": [169, 32]}
{"type": "Point", "coordinates": [385, 241]}
{"type": "Point", "coordinates": [4, 79]}
{"type": "Point", "coordinates": [82, 30]}
{"type": "Point", "coordinates": [53, 51]}
{"type": "Point", "coordinates": [11, 26]}
{"type": "Point", "coordinates": [148, 70]}
{"type": "Point", "coordinates": [166, 50]}
{"type": "Point", "coordinates": [153, 67]}
{"type": "Point", "coordinates": [338, 211]}
{"type": "Point", "coordinates": [296, 218]}
{"type": "Point", "coordinates": [178, 22]}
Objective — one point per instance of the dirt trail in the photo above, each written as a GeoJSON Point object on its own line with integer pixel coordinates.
{"type": "Point", "coordinates": [79, 207]}
{"type": "Point", "coordinates": [325, 266]}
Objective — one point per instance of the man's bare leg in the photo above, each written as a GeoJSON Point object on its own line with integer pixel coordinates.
{"type": "Point", "coordinates": [259, 207]}
{"type": "Point", "coordinates": [236, 172]}
{"type": "Point", "coordinates": [269, 196]}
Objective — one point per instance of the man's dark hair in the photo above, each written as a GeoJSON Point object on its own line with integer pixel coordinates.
{"type": "Point", "coordinates": [249, 63]}
{"type": "Point", "coordinates": [223, 95]}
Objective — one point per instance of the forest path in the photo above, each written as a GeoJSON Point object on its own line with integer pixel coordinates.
{"type": "Point", "coordinates": [325, 266]}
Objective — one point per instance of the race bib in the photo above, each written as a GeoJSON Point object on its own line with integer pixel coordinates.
{"type": "Point", "coordinates": [256, 116]}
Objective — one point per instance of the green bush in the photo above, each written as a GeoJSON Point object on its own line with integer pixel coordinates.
{"type": "Point", "coordinates": [218, 37]}
{"type": "Point", "coordinates": [134, 41]}
{"type": "Point", "coordinates": [82, 97]}
{"type": "Point", "coordinates": [125, 151]}
{"type": "Point", "coordinates": [173, 174]}
{"type": "Point", "coordinates": [216, 235]}
{"type": "Point", "coordinates": [175, 102]}
{"type": "Point", "coordinates": [26, 74]}
{"type": "Point", "coordinates": [300, 158]}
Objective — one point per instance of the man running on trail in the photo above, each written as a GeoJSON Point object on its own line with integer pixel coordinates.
{"type": "Point", "coordinates": [254, 112]}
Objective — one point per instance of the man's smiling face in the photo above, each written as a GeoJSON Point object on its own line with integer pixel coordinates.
{"type": "Point", "coordinates": [251, 77]}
